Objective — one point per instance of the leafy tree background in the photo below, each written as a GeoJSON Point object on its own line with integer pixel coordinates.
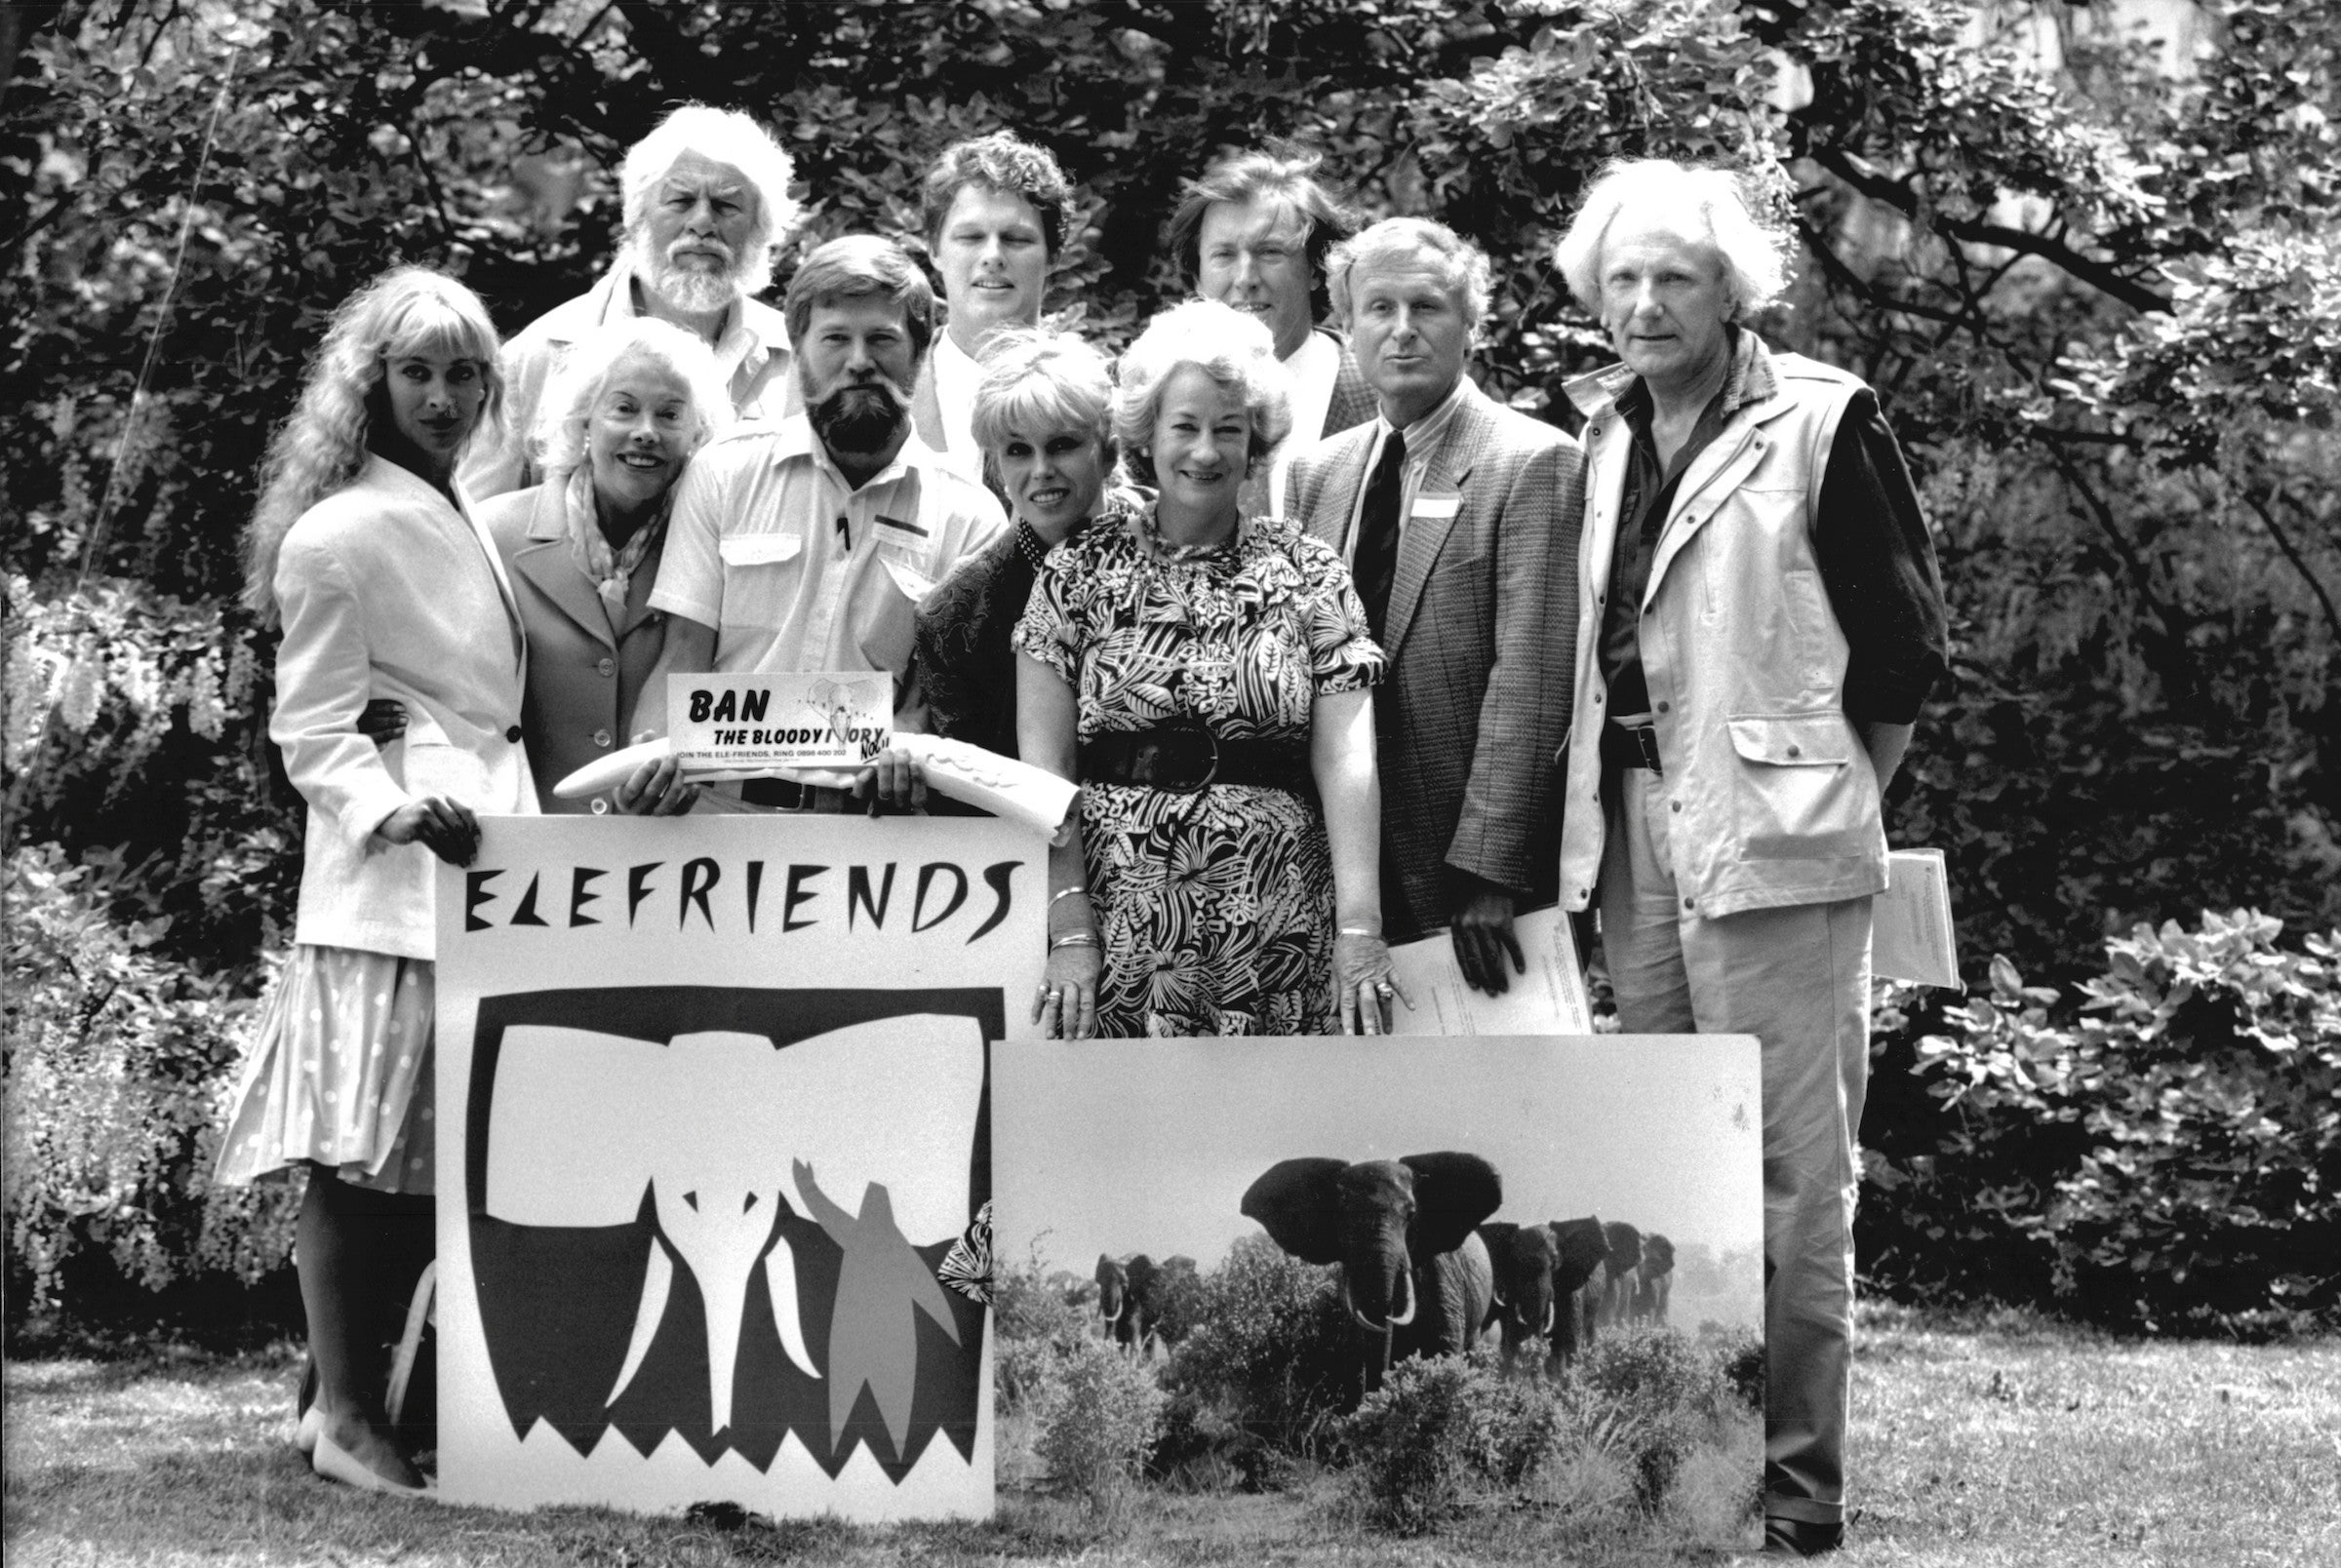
{"type": "Point", "coordinates": [2097, 280]}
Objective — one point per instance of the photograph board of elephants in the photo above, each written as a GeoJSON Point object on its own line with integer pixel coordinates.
{"type": "Point", "coordinates": [1512, 1193]}
{"type": "Point", "coordinates": [714, 1157]}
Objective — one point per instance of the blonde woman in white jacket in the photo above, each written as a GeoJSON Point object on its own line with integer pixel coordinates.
{"type": "Point", "coordinates": [363, 548]}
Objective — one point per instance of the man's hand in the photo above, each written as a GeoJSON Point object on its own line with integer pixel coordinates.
{"type": "Point", "coordinates": [1483, 934]}
{"type": "Point", "coordinates": [382, 721]}
{"type": "Point", "coordinates": [446, 827]}
{"type": "Point", "coordinates": [896, 779]}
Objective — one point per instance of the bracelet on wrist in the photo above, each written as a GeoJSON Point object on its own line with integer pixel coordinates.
{"type": "Point", "coordinates": [1359, 930]}
{"type": "Point", "coordinates": [1072, 939]}
{"type": "Point", "coordinates": [1063, 893]}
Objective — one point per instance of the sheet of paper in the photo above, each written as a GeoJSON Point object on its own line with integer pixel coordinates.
{"type": "Point", "coordinates": [1911, 935]}
{"type": "Point", "coordinates": [1549, 1000]}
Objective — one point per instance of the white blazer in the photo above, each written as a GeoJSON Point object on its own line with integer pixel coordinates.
{"type": "Point", "coordinates": [387, 591]}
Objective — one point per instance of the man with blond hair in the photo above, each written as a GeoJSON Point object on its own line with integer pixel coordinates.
{"type": "Point", "coordinates": [706, 201]}
{"type": "Point", "coordinates": [1458, 519]}
{"type": "Point", "coordinates": [997, 212]}
{"type": "Point", "coordinates": [1758, 620]}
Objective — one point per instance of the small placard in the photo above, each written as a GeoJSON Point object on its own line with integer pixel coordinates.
{"type": "Point", "coordinates": [800, 718]}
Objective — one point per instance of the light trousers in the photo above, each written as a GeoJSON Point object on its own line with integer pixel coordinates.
{"type": "Point", "coordinates": [1797, 978]}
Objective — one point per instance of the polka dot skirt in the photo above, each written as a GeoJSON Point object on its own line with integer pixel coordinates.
{"type": "Point", "coordinates": [340, 1073]}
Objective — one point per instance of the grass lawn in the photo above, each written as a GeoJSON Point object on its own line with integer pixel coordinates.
{"type": "Point", "coordinates": [1985, 1442]}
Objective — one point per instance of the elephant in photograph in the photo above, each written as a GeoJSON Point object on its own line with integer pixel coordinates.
{"type": "Point", "coordinates": [1524, 1258]}
{"type": "Point", "coordinates": [1132, 1295]}
{"type": "Point", "coordinates": [1620, 1273]}
{"type": "Point", "coordinates": [1415, 1277]}
{"type": "Point", "coordinates": [1581, 1248]}
{"type": "Point", "coordinates": [1657, 1279]}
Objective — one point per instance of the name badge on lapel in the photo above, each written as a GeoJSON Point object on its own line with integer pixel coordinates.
{"type": "Point", "coordinates": [1437, 508]}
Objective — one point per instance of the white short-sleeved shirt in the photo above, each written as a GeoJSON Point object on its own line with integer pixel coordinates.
{"type": "Point", "coordinates": [795, 568]}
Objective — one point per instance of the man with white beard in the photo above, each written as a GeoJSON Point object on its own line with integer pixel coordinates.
{"type": "Point", "coordinates": [706, 200]}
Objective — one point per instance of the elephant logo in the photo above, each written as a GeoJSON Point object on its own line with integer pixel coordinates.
{"type": "Point", "coordinates": [721, 1215]}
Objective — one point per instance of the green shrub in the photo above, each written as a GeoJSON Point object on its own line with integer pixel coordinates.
{"type": "Point", "coordinates": [1268, 1357]}
{"type": "Point", "coordinates": [1100, 1412]}
{"type": "Point", "coordinates": [1444, 1434]}
{"type": "Point", "coordinates": [2190, 1178]}
{"type": "Point", "coordinates": [1651, 1397]}
{"type": "Point", "coordinates": [113, 1062]}
{"type": "Point", "coordinates": [1035, 1327]}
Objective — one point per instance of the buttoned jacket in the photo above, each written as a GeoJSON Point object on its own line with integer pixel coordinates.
{"type": "Point", "coordinates": [1479, 630]}
{"type": "Point", "coordinates": [388, 591]}
{"type": "Point", "coordinates": [762, 386]}
{"type": "Point", "coordinates": [583, 673]}
{"type": "Point", "coordinates": [1772, 797]}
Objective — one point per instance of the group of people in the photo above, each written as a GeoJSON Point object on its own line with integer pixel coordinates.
{"type": "Point", "coordinates": [1340, 651]}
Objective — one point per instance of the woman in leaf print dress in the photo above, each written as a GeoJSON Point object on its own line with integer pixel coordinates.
{"type": "Point", "coordinates": [1206, 678]}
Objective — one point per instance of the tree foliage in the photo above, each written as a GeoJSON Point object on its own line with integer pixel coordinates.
{"type": "Point", "coordinates": [2094, 281]}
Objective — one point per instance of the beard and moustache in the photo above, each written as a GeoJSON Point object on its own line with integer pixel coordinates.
{"type": "Point", "coordinates": [690, 284]}
{"type": "Point", "coordinates": [859, 415]}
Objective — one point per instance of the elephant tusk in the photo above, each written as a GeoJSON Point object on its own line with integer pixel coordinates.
{"type": "Point", "coordinates": [1406, 1283]}
{"type": "Point", "coordinates": [1546, 1327]}
{"type": "Point", "coordinates": [780, 1282]}
{"type": "Point", "coordinates": [656, 1280]}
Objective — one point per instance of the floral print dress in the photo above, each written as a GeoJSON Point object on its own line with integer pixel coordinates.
{"type": "Point", "coordinates": [1214, 909]}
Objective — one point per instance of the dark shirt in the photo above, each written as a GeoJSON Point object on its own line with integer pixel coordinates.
{"type": "Point", "coordinates": [965, 669]}
{"type": "Point", "coordinates": [1868, 539]}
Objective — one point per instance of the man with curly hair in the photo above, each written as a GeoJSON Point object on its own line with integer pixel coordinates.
{"type": "Point", "coordinates": [997, 211]}
{"type": "Point", "coordinates": [706, 202]}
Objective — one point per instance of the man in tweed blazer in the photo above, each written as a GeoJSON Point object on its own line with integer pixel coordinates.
{"type": "Point", "coordinates": [1459, 521]}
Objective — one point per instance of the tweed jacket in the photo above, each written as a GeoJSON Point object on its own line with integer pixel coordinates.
{"type": "Point", "coordinates": [387, 591]}
{"type": "Point", "coordinates": [583, 675]}
{"type": "Point", "coordinates": [1482, 634]}
{"type": "Point", "coordinates": [1353, 402]}
{"type": "Point", "coordinates": [762, 385]}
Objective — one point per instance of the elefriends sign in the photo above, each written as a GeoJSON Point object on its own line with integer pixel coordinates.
{"type": "Point", "coordinates": [714, 1145]}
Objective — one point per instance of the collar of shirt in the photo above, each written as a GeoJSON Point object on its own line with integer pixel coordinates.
{"type": "Point", "coordinates": [1424, 438]}
{"type": "Point", "coordinates": [753, 332]}
{"type": "Point", "coordinates": [793, 437]}
{"type": "Point", "coordinates": [956, 375]}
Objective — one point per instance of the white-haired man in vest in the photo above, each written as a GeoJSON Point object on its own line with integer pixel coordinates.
{"type": "Point", "coordinates": [1759, 618]}
{"type": "Point", "coordinates": [706, 204]}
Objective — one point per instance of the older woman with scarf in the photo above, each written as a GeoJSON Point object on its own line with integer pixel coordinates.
{"type": "Point", "coordinates": [618, 420]}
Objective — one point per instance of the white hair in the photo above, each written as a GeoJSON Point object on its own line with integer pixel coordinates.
{"type": "Point", "coordinates": [1463, 264]}
{"type": "Point", "coordinates": [1232, 348]}
{"type": "Point", "coordinates": [1754, 251]}
{"type": "Point", "coordinates": [568, 400]}
{"type": "Point", "coordinates": [719, 136]}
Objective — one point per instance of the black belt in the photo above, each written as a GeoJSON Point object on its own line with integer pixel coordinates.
{"type": "Point", "coordinates": [1630, 746]}
{"type": "Point", "coordinates": [787, 795]}
{"type": "Point", "coordinates": [1185, 757]}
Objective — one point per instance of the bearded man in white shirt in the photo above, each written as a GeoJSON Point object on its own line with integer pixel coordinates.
{"type": "Point", "coordinates": [997, 212]}
{"type": "Point", "coordinates": [706, 205]}
{"type": "Point", "coordinates": [807, 543]}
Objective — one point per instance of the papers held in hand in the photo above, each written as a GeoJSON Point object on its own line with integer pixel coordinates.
{"type": "Point", "coordinates": [1911, 936]}
{"type": "Point", "coordinates": [1549, 1000]}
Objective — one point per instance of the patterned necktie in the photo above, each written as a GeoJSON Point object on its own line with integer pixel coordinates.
{"type": "Point", "coordinates": [1375, 562]}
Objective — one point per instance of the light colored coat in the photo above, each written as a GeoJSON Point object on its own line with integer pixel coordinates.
{"type": "Point", "coordinates": [387, 591]}
{"type": "Point", "coordinates": [583, 675]}
{"type": "Point", "coordinates": [1774, 798]}
{"type": "Point", "coordinates": [1480, 633]}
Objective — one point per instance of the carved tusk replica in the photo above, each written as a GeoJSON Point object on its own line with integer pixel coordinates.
{"type": "Point", "coordinates": [1001, 785]}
